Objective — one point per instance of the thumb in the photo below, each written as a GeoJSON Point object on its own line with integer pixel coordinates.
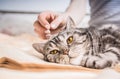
{"type": "Point", "coordinates": [56, 22]}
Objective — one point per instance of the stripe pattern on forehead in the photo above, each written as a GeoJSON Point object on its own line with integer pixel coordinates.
{"type": "Point", "coordinates": [56, 40]}
{"type": "Point", "coordinates": [52, 43]}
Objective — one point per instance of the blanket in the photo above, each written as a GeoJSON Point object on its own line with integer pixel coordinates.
{"type": "Point", "coordinates": [18, 60]}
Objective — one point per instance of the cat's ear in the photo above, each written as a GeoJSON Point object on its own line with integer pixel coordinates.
{"type": "Point", "coordinates": [38, 47]}
{"type": "Point", "coordinates": [70, 24]}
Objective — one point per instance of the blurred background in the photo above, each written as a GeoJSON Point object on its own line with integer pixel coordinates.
{"type": "Point", "coordinates": [18, 16]}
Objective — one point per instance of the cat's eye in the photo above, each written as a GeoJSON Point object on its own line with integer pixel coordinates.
{"type": "Point", "coordinates": [54, 52]}
{"type": "Point", "coordinates": [70, 40]}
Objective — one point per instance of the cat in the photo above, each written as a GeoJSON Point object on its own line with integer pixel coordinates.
{"type": "Point", "coordinates": [92, 47]}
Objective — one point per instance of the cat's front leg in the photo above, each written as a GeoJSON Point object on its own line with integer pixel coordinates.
{"type": "Point", "coordinates": [63, 59]}
{"type": "Point", "coordinates": [96, 62]}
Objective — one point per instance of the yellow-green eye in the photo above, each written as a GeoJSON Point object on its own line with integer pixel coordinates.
{"type": "Point", "coordinates": [70, 40]}
{"type": "Point", "coordinates": [54, 51]}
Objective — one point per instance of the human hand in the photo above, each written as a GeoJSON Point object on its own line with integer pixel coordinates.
{"type": "Point", "coordinates": [48, 23]}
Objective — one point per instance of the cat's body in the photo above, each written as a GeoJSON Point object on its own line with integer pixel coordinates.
{"type": "Point", "coordinates": [88, 47]}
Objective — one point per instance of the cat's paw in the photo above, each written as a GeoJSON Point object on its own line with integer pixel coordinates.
{"type": "Point", "coordinates": [94, 62]}
{"type": "Point", "coordinates": [63, 59]}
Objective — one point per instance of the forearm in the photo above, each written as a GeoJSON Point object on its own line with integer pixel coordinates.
{"type": "Point", "coordinates": [77, 10]}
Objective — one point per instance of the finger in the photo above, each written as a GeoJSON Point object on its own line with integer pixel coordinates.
{"type": "Point", "coordinates": [38, 26]}
{"type": "Point", "coordinates": [52, 16]}
{"type": "Point", "coordinates": [56, 22]}
{"type": "Point", "coordinates": [43, 21]}
{"type": "Point", "coordinates": [42, 36]}
{"type": "Point", "coordinates": [48, 36]}
{"type": "Point", "coordinates": [47, 32]}
{"type": "Point", "coordinates": [39, 30]}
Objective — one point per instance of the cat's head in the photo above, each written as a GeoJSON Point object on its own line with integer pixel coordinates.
{"type": "Point", "coordinates": [68, 44]}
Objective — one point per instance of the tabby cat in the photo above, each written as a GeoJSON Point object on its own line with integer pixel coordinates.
{"type": "Point", "coordinates": [89, 47]}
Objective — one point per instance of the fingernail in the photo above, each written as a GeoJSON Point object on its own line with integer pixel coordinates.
{"type": "Point", "coordinates": [48, 36]}
{"type": "Point", "coordinates": [53, 26]}
{"type": "Point", "coordinates": [47, 31]}
{"type": "Point", "coordinates": [47, 26]}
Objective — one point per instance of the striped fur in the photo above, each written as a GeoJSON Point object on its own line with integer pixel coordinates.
{"type": "Point", "coordinates": [91, 47]}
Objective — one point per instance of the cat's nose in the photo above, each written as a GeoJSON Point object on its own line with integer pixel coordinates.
{"type": "Point", "coordinates": [65, 52]}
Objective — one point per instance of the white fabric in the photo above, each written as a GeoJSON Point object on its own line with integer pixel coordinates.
{"type": "Point", "coordinates": [20, 49]}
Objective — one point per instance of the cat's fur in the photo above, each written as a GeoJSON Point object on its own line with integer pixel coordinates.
{"type": "Point", "coordinates": [90, 47]}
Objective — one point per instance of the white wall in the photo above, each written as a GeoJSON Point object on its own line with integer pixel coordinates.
{"type": "Point", "coordinates": [33, 5]}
